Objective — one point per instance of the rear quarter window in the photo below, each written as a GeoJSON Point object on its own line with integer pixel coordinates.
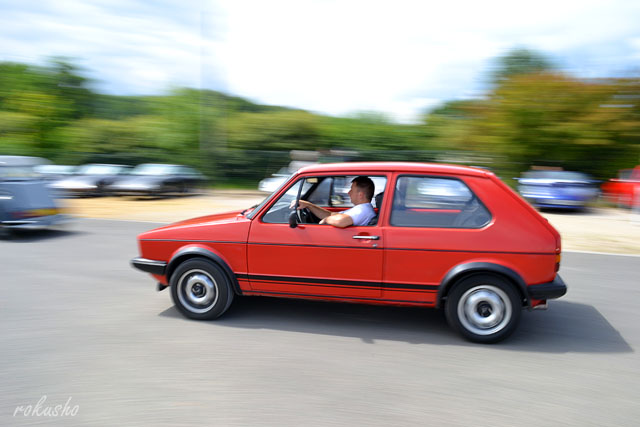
{"type": "Point", "coordinates": [435, 202]}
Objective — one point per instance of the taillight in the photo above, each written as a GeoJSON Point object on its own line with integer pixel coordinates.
{"type": "Point", "coordinates": [558, 258]}
{"type": "Point", "coordinates": [18, 215]}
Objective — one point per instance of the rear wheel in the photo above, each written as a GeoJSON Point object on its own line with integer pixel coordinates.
{"type": "Point", "coordinates": [5, 233]}
{"type": "Point", "coordinates": [200, 289]}
{"type": "Point", "coordinates": [483, 308]}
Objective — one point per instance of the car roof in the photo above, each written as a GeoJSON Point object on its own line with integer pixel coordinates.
{"type": "Point", "coordinates": [409, 167]}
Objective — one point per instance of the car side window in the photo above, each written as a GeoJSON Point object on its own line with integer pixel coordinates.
{"type": "Point", "coordinates": [436, 202]}
{"type": "Point", "coordinates": [320, 195]}
{"type": "Point", "coordinates": [341, 185]}
{"type": "Point", "coordinates": [333, 191]}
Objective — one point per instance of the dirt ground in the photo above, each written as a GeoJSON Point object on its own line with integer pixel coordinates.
{"type": "Point", "coordinates": [600, 230]}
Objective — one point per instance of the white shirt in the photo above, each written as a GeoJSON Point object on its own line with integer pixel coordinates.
{"type": "Point", "coordinates": [361, 214]}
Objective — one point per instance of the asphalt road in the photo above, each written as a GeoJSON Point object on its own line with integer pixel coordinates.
{"type": "Point", "coordinates": [77, 322]}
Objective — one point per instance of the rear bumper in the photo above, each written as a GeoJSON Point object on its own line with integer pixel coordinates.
{"type": "Point", "coordinates": [149, 266]}
{"type": "Point", "coordinates": [552, 202]}
{"type": "Point", "coordinates": [549, 290]}
{"type": "Point", "coordinates": [36, 223]}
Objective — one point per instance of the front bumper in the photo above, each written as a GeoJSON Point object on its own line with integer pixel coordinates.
{"type": "Point", "coordinates": [149, 266]}
{"type": "Point", "coordinates": [549, 290]}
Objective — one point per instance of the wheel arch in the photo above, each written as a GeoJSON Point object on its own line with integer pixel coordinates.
{"type": "Point", "coordinates": [462, 271]}
{"type": "Point", "coordinates": [198, 252]}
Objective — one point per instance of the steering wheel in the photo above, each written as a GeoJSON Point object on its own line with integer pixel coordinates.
{"type": "Point", "coordinates": [305, 216]}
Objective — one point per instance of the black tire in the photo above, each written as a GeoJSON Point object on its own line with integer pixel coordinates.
{"type": "Point", "coordinates": [5, 233]}
{"type": "Point", "coordinates": [483, 308]}
{"type": "Point", "coordinates": [200, 289]}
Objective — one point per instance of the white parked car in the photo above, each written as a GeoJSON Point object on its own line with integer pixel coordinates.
{"type": "Point", "coordinates": [272, 183]}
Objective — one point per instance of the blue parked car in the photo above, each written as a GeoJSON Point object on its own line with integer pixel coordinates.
{"type": "Point", "coordinates": [25, 200]}
{"type": "Point", "coordinates": [557, 189]}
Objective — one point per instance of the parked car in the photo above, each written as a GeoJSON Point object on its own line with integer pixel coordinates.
{"type": "Point", "coordinates": [154, 179]}
{"type": "Point", "coordinates": [273, 182]}
{"type": "Point", "coordinates": [482, 256]}
{"type": "Point", "coordinates": [25, 200]}
{"type": "Point", "coordinates": [92, 179]}
{"type": "Point", "coordinates": [625, 189]}
{"type": "Point", "coordinates": [557, 189]}
{"type": "Point", "coordinates": [50, 172]}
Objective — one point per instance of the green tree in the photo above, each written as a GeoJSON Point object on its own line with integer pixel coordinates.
{"type": "Point", "coordinates": [520, 61]}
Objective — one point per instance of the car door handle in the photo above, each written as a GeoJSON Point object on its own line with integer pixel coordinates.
{"type": "Point", "coordinates": [366, 237]}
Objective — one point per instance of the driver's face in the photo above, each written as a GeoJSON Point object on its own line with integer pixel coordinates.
{"type": "Point", "coordinates": [353, 193]}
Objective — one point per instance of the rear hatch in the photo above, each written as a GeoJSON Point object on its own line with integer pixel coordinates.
{"type": "Point", "coordinates": [27, 198]}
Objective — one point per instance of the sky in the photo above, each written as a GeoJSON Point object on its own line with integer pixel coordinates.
{"type": "Point", "coordinates": [341, 57]}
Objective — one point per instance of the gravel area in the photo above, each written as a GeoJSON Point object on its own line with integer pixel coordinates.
{"type": "Point", "coordinates": [599, 230]}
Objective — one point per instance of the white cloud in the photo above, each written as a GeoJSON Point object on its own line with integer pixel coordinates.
{"type": "Point", "coordinates": [329, 56]}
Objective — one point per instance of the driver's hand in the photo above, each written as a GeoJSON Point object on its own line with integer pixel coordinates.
{"type": "Point", "coordinates": [303, 204]}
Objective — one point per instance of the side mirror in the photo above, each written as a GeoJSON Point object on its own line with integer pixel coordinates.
{"type": "Point", "coordinates": [293, 219]}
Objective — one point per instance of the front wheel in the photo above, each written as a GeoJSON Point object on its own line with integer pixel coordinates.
{"type": "Point", "coordinates": [484, 308]}
{"type": "Point", "coordinates": [200, 289]}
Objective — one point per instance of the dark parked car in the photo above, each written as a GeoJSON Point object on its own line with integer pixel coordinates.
{"type": "Point", "coordinates": [158, 179]}
{"type": "Point", "coordinates": [557, 189]}
{"type": "Point", "coordinates": [91, 179]}
{"type": "Point", "coordinates": [25, 200]}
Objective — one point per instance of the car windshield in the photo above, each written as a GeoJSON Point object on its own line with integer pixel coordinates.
{"type": "Point", "coordinates": [55, 169]}
{"type": "Point", "coordinates": [99, 170]}
{"type": "Point", "coordinates": [559, 175]}
{"type": "Point", "coordinates": [625, 174]}
{"type": "Point", "coordinates": [283, 172]}
{"type": "Point", "coordinates": [153, 169]}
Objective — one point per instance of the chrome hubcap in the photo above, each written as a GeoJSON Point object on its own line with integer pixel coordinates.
{"type": "Point", "coordinates": [484, 309]}
{"type": "Point", "coordinates": [197, 291]}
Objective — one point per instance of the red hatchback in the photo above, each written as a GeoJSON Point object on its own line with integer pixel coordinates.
{"type": "Point", "coordinates": [443, 236]}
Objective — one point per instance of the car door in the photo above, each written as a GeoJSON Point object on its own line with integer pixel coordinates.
{"type": "Point", "coordinates": [313, 259]}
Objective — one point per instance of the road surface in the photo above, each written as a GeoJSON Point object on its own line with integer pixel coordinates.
{"type": "Point", "coordinates": [80, 327]}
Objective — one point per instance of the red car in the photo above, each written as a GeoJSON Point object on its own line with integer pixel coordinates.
{"type": "Point", "coordinates": [444, 236]}
{"type": "Point", "coordinates": [624, 190]}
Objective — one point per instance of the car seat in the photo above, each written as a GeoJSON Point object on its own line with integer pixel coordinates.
{"type": "Point", "coordinates": [378, 200]}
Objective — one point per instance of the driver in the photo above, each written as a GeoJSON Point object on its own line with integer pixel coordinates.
{"type": "Point", "coordinates": [361, 213]}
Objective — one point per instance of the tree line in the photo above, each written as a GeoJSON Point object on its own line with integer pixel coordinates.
{"type": "Point", "coordinates": [531, 115]}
